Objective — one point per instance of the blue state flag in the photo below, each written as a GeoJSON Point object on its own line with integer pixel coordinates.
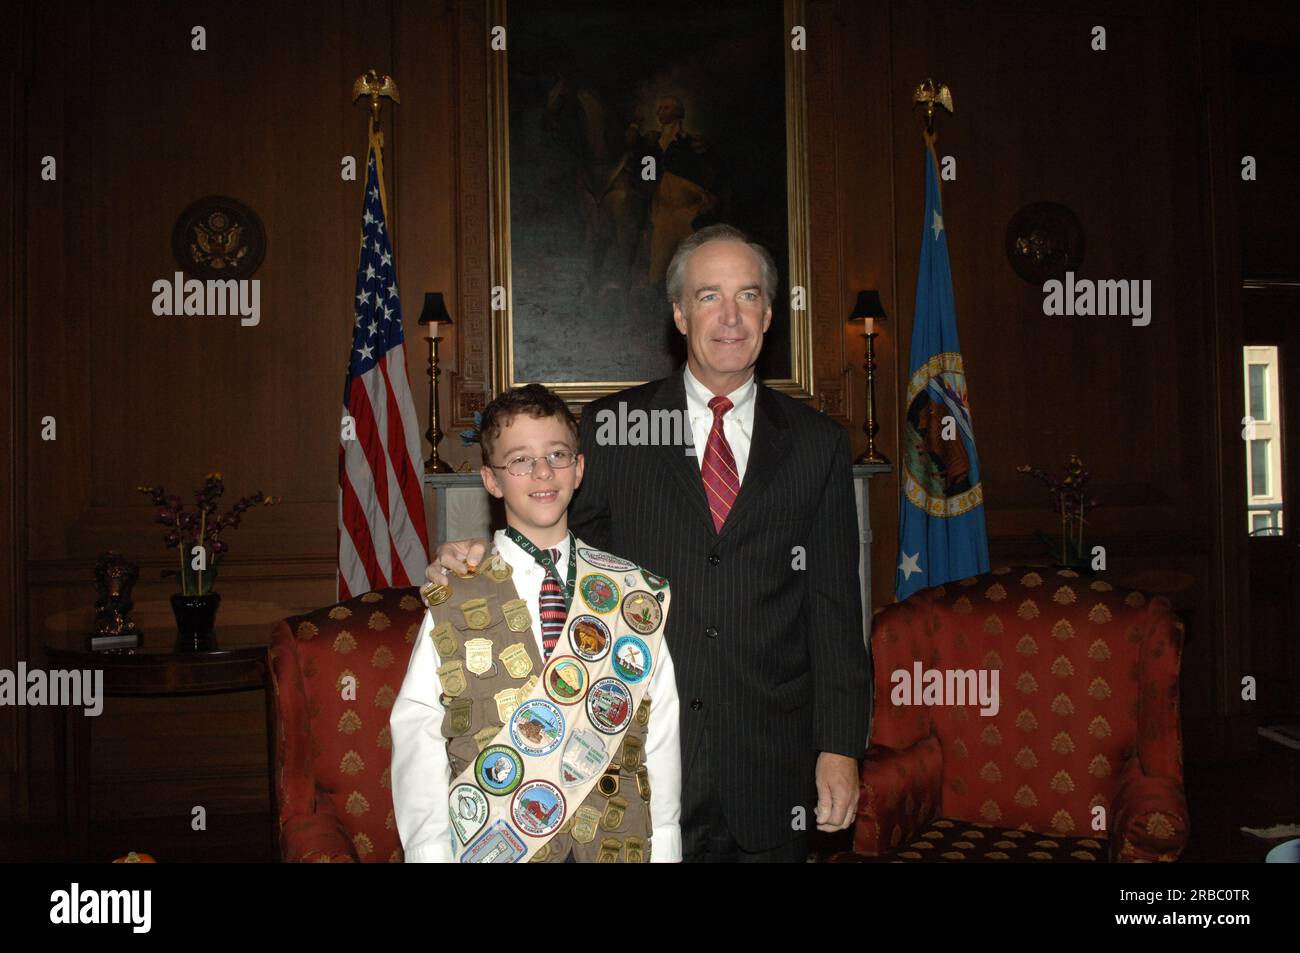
{"type": "Point", "coordinates": [941, 524]}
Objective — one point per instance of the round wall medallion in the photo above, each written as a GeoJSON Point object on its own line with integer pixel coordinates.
{"type": "Point", "coordinates": [218, 237]}
{"type": "Point", "coordinates": [1044, 240]}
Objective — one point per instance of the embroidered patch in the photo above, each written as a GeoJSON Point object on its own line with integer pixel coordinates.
{"type": "Point", "coordinates": [603, 560]}
{"type": "Point", "coordinates": [631, 659]}
{"type": "Point", "coordinates": [599, 592]}
{"type": "Point", "coordinates": [537, 727]}
{"type": "Point", "coordinates": [585, 755]}
{"type": "Point", "coordinates": [499, 769]}
{"type": "Point", "coordinates": [609, 705]}
{"type": "Point", "coordinates": [565, 679]}
{"type": "Point", "coordinates": [589, 638]}
{"type": "Point", "coordinates": [538, 808]}
{"type": "Point", "coordinates": [642, 612]}
{"type": "Point", "coordinates": [500, 845]}
{"type": "Point", "coordinates": [468, 810]}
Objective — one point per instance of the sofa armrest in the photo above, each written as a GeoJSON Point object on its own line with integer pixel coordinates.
{"type": "Point", "coordinates": [315, 838]}
{"type": "Point", "coordinates": [899, 793]}
{"type": "Point", "coordinates": [1149, 817]}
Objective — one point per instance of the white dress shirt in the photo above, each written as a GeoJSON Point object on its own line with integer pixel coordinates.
{"type": "Point", "coordinates": [421, 775]}
{"type": "Point", "coordinates": [737, 423]}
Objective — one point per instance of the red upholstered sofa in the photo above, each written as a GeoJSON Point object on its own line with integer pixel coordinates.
{"type": "Point", "coordinates": [332, 745]}
{"type": "Point", "coordinates": [1083, 760]}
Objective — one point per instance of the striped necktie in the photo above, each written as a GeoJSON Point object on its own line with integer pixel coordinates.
{"type": "Point", "coordinates": [721, 482]}
{"type": "Point", "coordinates": [550, 604]}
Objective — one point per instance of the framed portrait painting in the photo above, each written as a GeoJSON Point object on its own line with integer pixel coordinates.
{"type": "Point", "coordinates": [615, 132]}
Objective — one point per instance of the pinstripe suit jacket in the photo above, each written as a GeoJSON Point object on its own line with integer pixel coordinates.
{"type": "Point", "coordinates": [769, 655]}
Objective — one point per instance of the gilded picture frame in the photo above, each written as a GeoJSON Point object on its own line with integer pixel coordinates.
{"type": "Point", "coordinates": [578, 301]}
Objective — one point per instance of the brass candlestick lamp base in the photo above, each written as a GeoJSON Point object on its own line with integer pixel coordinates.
{"type": "Point", "coordinates": [871, 454]}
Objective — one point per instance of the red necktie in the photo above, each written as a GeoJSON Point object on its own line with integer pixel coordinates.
{"type": "Point", "coordinates": [550, 604]}
{"type": "Point", "coordinates": [721, 482]}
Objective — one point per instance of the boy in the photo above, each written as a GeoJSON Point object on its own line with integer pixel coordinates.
{"type": "Point", "coordinates": [522, 731]}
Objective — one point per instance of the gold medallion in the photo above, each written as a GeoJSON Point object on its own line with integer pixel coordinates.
{"type": "Point", "coordinates": [477, 614]}
{"type": "Point", "coordinates": [497, 569]}
{"type": "Point", "coordinates": [609, 851]}
{"type": "Point", "coordinates": [478, 656]}
{"type": "Point", "coordinates": [461, 711]}
{"type": "Point", "coordinates": [507, 701]}
{"type": "Point", "coordinates": [434, 594]}
{"type": "Point", "coordinates": [634, 850]}
{"type": "Point", "coordinates": [444, 639]}
{"type": "Point", "coordinates": [516, 660]}
{"type": "Point", "coordinates": [631, 754]}
{"type": "Point", "coordinates": [585, 820]}
{"type": "Point", "coordinates": [614, 811]}
{"type": "Point", "coordinates": [517, 617]}
{"type": "Point", "coordinates": [452, 677]}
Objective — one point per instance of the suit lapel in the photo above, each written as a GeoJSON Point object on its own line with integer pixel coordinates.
{"type": "Point", "coordinates": [685, 470]}
{"type": "Point", "coordinates": [768, 447]}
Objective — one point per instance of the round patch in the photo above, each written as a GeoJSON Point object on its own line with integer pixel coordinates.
{"type": "Point", "coordinates": [538, 808]}
{"type": "Point", "coordinates": [537, 727]}
{"type": "Point", "coordinates": [605, 561]}
{"type": "Point", "coordinates": [631, 659]}
{"type": "Point", "coordinates": [609, 705]}
{"type": "Point", "coordinates": [468, 810]}
{"type": "Point", "coordinates": [565, 679]}
{"type": "Point", "coordinates": [589, 638]}
{"type": "Point", "coordinates": [599, 592]}
{"type": "Point", "coordinates": [642, 612]}
{"type": "Point", "coordinates": [654, 582]}
{"type": "Point", "coordinates": [499, 769]}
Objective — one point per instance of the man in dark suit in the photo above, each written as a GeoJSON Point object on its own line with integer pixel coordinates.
{"type": "Point", "coordinates": [756, 530]}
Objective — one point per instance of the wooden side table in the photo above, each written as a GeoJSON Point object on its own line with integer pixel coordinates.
{"type": "Point", "coordinates": [155, 670]}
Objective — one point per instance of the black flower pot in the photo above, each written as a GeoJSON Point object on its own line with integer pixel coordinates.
{"type": "Point", "coordinates": [195, 616]}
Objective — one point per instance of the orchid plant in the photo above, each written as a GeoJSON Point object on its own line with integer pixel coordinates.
{"type": "Point", "coordinates": [202, 528]}
{"type": "Point", "coordinates": [1071, 502]}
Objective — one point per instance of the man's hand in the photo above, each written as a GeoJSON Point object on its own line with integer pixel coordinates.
{"type": "Point", "coordinates": [837, 791]}
{"type": "Point", "coordinates": [459, 555]}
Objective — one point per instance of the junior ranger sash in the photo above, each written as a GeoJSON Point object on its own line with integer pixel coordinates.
{"type": "Point", "coordinates": [560, 727]}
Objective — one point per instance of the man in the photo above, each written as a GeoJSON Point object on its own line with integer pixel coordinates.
{"type": "Point", "coordinates": [757, 533]}
{"type": "Point", "coordinates": [686, 188]}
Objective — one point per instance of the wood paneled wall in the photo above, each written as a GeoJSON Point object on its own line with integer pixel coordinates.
{"type": "Point", "coordinates": [141, 125]}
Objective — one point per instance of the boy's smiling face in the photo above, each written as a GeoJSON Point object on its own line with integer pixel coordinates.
{"type": "Point", "coordinates": [537, 504]}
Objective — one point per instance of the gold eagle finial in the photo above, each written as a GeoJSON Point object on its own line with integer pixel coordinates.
{"type": "Point", "coordinates": [932, 93]}
{"type": "Point", "coordinates": [376, 85]}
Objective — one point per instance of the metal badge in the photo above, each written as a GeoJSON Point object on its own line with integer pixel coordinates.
{"type": "Point", "coordinates": [477, 615]}
{"type": "Point", "coordinates": [542, 855]}
{"type": "Point", "coordinates": [444, 639]}
{"type": "Point", "coordinates": [585, 821]}
{"type": "Point", "coordinates": [609, 782]}
{"type": "Point", "coordinates": [631, 754]}
{"type": "Point", "coordinates": [527, 687]}
{"type": "Point", "coordinates": [461, 711]}
{"type": "Point", "coordinates": [634, 850]}
{"type": "Point", "coordinates": [478, 656]}
{"type": "Point", "coordinates": [484, 736]}
{"type": "Point", "coordinates": [507, 701]}
{"type": "Point", "coordinates": [452, 677]}
{"type": "Point", "coordinates": [517, 617]}
{"type": "Point", "coordinates": [434, 594]}
{"type": "Point", "coordinates": [614, 811]}
{"type": "Point", "coordinates": [516, 660]}
{"type": "Point", "coordinates": [497, 569]}
{"type": "Point", "coordinates": [643, 782]}
{"type": "Point", "coordinates": [610, 847]}
{"type": "Point", "coordinates": [643, 712]}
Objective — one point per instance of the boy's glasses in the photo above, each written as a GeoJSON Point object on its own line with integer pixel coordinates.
{"type": "Point", "coordinates": [523, 466]}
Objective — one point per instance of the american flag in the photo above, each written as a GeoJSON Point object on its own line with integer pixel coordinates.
{"type": "Point", "coordinates": [382, 539]}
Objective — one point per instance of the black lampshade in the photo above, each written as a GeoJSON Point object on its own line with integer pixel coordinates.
{"type": "Point", "coordinates": [868, 306]}
{"type": "Point", "coordinates": [435, 310]}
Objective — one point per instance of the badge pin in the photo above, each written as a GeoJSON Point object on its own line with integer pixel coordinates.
{"type": "Point", "coordinates": [609, 782]}
{"type": "Point", "coordinates": [631, 754]}
{"type": "Point", "coordinates": [452, 677]}
{"type": "Point", "coordinates": [634, 850]}
{"type": "Point", "coordinates": [643, 713]}
{"type": "Point", "coordinates": [461, 714]}
{"type": "Point", "coordinates": [609, 851]}
{"type": "Point", "coordinates": [527, 687]}
{"type": "Point", "coordinates": [516, 660]}
{"type": "Point", "coordinates": [643, 782]}
{"type": "Point", "coordinates": [497, 569]}
{"type": "Point", "coordinates": [517, 617]}
{"type": "Point", "coordinates": [614, 811]}
{"type": "Point", "coordinates": [507, 701]}
{"type": "Point", "coordinates": [444, 639]}
{"type": "Point", "coordinates": [477, 615]}
{"type": "Point", "coordinates": [585, 823]}
{"type": "Point", "coordinates": [478, 656]}
{"type": "Point", "coordinates": [542, 856]}
{"type": "Point", "coordinates": [434, 594]}
{"type": "Point", "coordinates": [485, 736]}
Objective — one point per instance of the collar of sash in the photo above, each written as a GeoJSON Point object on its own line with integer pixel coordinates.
{"type": "Point", "coordinates": [544, 560]}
